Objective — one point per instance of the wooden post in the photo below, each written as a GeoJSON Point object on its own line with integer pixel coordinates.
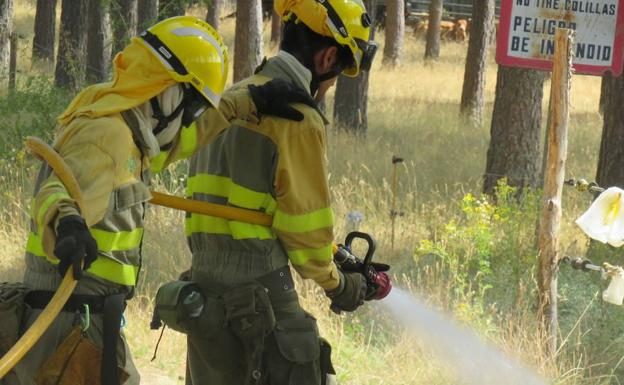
{"type": "Point", "coordinates": [13, 61]}
{"type": "Point", "coordinates": [550, 220]}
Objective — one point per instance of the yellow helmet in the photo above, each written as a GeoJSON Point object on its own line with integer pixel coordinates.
{"type": "Point", "coordinates": [192, 52]}
{"type": "Point", "coordinates": [346, 21]}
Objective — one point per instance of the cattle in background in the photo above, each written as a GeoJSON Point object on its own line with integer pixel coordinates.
{"type": "Point", "coordinates": [461, 30]}
{"type": "Point", "coordinates": [449, 30]}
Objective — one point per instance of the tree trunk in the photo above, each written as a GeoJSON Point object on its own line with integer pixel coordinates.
{"type": "Point", "coordinates": [171, 8]}
{"type": "Point", "coordinates": [124, 19]}
{"type": "Point", "coordinates": [472, 99]}
{"type": "Point", "coordinates": [45, 31]}
{"type": "Point", "coordinates": [610, 171]}
{"type": "Point", "coordinates": [603, 93]}
{"type": "Point", "coordinates": [71, 58]}
{"type": "Point", "coordinates": [395, 29]}
{"type": "Point", "coordinates": [276, 28]}
{"type": "Point", "coordinates": [6, 27]}
{"type": "Point", "coordinates": [351, 98]}
{"type": "Point", "coordinates": [148, 14]}
{"type": "Point", "coordinates": [514, 151]}
{"type": "Point", "coordinates": [99, 42]}
{"type": "Point", "coordinates": [248, 38]}
{"type": "Point", "coordinates": [432, 49]}
{"type": "Point", "coordinates": [213, 16]}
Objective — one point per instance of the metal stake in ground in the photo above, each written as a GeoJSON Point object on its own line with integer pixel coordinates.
{"type": "Point", "coordinates": [395, 181]}
{"type": "Point", "coordinates": [550, 218]}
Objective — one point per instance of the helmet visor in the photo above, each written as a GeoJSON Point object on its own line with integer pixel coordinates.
{"type": "Point", "coordinates": [369, 50]}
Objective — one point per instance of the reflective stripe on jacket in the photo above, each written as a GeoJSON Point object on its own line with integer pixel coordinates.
{"type": "Point", "coordinates": [110, 171]}
{"type": "Point", "coordinates": [277, 167]}
{"type": "Point", "coordinates": [114, 178]}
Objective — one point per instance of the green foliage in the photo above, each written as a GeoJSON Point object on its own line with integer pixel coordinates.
{"type": "Point", "coordinates": [487, 253]}
{"type": "Point", "coordinates": [31, 110]}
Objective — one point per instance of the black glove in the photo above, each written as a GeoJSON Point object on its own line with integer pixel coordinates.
{"type": "Point", "coordinates": [274, 97]}
{"type": "Point", "coordinates": [350, 294]}
{"type": "Point", "coordinates": [74, 244]}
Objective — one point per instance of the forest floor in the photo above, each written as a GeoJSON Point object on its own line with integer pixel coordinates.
{"type": "Point", "coordinates": [464, 255]}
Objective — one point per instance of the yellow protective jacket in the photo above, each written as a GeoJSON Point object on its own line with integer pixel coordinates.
{"type": "Point", "coordinates": [278, 167]}
{"type": "Point", "coordinates": [100, 149]}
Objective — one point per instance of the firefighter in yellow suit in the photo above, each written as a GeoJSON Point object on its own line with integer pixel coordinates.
{"type": "Point", "coordinates": [160, 106]}
{"type": "Point", "coordinates": [252, 329]}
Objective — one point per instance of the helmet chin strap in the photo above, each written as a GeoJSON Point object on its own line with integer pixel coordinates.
{"type": "Point", "coordinates": [164, 120]}
{"type": "Point", "coordinates": [191, 105]}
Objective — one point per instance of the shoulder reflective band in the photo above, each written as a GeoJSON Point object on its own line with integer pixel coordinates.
{"type": "Point", "coordinates": [164, 52]}
{"type": "Point", "coordinates": [335, 18]}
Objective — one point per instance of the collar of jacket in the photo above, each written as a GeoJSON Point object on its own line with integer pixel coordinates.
{"type": "Point", "coordinates": [286, 66]}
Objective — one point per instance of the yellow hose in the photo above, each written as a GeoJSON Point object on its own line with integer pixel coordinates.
{"type": "Point", "coordinates": [205, 208]}
{"type": "Point", "coordinates": [64, 291]}
{"type": "Point", "coordinates": [49, 155]}
{"type": "Point", "coordinates": [46, 153]}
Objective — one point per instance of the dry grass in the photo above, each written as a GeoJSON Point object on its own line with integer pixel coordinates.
{"type": "Point", "coordinates": [413, 113]}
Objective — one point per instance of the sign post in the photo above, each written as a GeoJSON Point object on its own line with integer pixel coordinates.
{"type": "Point", "coordinates": [526, 36]}
{"type": "Point", "coordinates": [550, 219]}
{"type": "Point", "coordinates": [538, 34]}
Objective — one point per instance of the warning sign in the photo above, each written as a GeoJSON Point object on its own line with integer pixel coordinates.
{"type": "Point", "coordinates": [527, 30]}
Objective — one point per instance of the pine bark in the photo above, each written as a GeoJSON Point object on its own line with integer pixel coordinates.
{"type": "Point", "coordinates": [395, 29]}
{"type": "Point", "coordinates": [276, 28]}
{"type": "Point", "coordinates": [472, 99]}
{"type": "Point", "coordinates": [351, 97]}
{"type": "Point", "coordinates": [248, 38]}
{"type": "Point", "coordinates": [71, 58]}
{"type": "Point", "coordinates": [213, 16]}
{"type": "Point", "coordinates": [432, 48]}
{"type": "Point", "coordinates": [124, 20]}
{"type": "Point", "coordinates": [603, 93]}
{"type": "Point", "coordinates": [514, 150]}
{"type": "Point", "coordinates": [45, 31]}
{"type": "Point", "coordinates": [171, 8]}
{"type": "Point", "coordinates": [99, 42]}
{"type": "Point", "coordinates": [611, 158]}
{"type": "Point", "coordinates": [147, 14]}
{"type": "Point", "coordinates": [6, 27]}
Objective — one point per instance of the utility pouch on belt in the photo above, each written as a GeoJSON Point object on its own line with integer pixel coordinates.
{"type": "Point", "coordinates": [12, 308]}
{"type": "Point", "coordinates": [77, 361]}
{"type": "Point", "coordinates": [249, 315]}
{"type": "Point", "coordinates": [248, 311]}
{"type": "Point", "coordinates": [177, 303]}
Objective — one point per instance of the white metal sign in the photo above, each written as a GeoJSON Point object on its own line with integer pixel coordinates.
{"type": "Point", "coordinates": [527, 29]}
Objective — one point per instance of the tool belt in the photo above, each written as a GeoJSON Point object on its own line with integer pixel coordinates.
{"type": "Point", "coordinates": [12, 309]}
{"type": "Point", "coordinates": [245, 310]}
{"type": "Point", "coordinates": [110, 307]}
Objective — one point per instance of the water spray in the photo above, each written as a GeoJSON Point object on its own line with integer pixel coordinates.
{"type": "Point", "coordinates": [474, 361]}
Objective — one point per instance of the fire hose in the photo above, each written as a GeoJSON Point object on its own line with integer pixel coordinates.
{"type": "Point", "coordinates": [68, 284]}
{"type": "Point", "coordinates": [378, 280]}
